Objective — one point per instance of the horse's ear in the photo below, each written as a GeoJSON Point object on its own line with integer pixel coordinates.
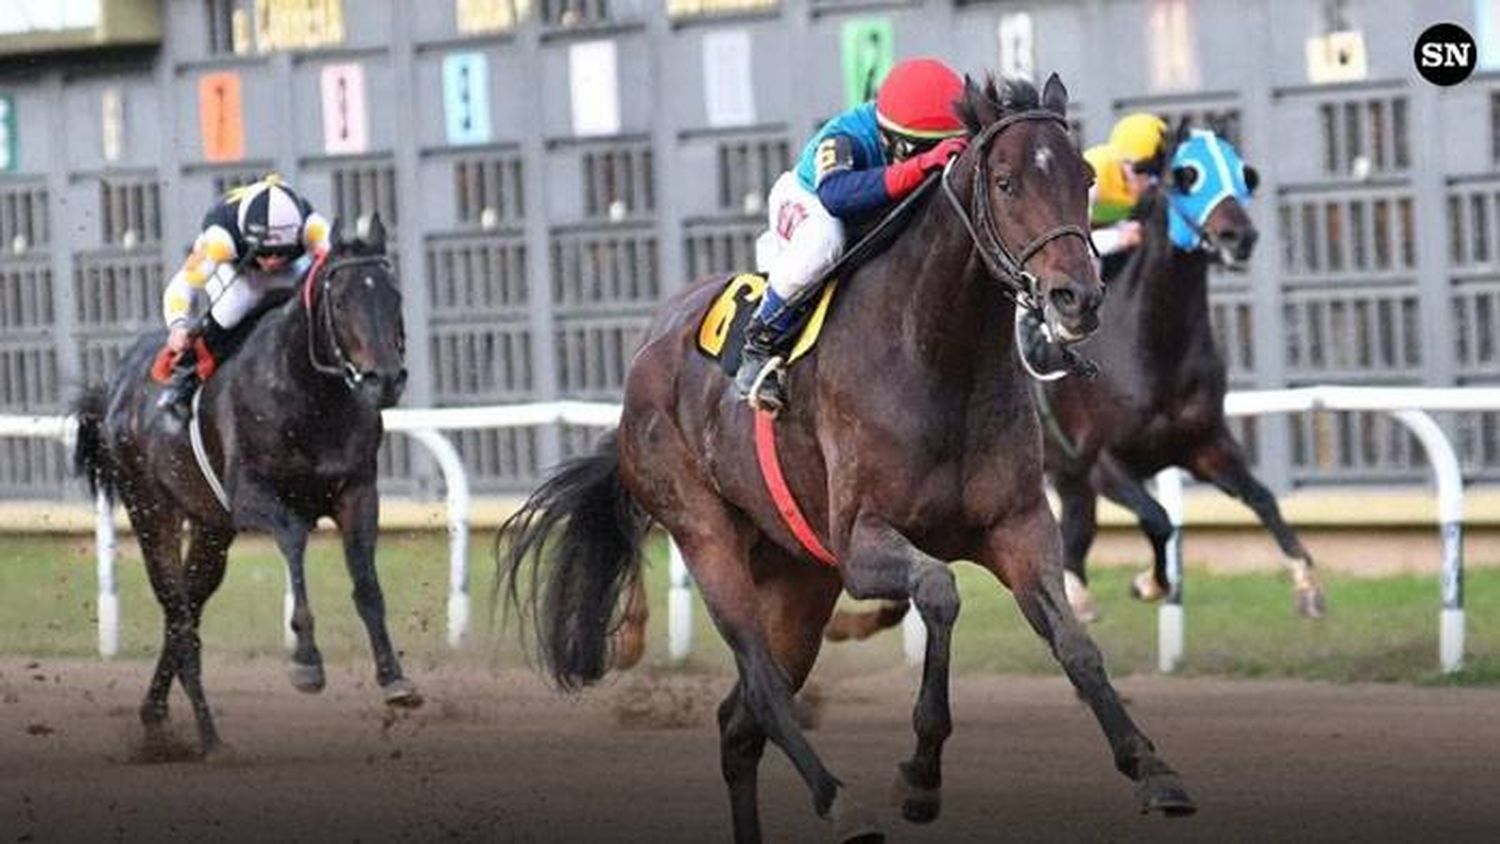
{"type": "Point", "coordinates": [1252, 178]}
{"type": "Point", "coordinates": [1055, 95]}
{"type": "Point", "coordinates": [374, 237]}
{"type": "Point", "coordinates": [336, 232]}
{"type": "Point", "coordinates": [1184, 129]}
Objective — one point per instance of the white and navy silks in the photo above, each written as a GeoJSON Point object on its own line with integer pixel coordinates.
{"type": "Point", "coordinates": [262, 219]}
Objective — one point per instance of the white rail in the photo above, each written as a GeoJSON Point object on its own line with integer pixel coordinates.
{"type": "Point", "coordinates": [1407, 405]}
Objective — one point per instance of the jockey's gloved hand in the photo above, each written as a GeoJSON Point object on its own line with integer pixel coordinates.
{"type": "Point", "coordinates": [903, 177]}
{"type": "Point", "coordinates": [179, 336]}
{"type": "Point", "coordinates": [937, 157]}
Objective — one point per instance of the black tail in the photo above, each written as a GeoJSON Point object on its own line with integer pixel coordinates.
{"type": "Point", "coordinates": [90, 455]}
{"type": "Point", "coordinates": [573, 604]}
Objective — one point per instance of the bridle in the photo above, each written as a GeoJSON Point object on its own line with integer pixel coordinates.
{"type": "Point", "coordinates": [1008, 268]}
{"type": "Point", "coordinates": [321, 314]}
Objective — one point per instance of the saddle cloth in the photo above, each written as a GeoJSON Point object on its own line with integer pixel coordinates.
{"type": "Point", "coordinates": [721, 334]}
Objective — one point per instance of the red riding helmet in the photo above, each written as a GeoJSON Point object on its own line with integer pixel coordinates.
{"type": "Point", "coordinates": [916, 101]}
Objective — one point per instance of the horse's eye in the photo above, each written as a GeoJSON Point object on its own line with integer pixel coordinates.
{"type": "Point", "coordinates": [1004, 182]}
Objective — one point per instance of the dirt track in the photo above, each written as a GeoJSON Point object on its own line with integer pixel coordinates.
{"type": "Point", "coordinates": [499, 757]}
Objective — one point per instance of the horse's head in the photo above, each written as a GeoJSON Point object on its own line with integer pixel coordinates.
{"type": "Point", "coordinates": [356, 309]}
{"type": "Point", "coordinates": [1030, 199]}
{"type": "Point", "coordinates": [1208, 193]}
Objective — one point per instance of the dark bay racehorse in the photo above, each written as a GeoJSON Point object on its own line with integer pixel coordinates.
{"type": "Point", "coordinates": [911, 440]}
{"type": "Point", "coordinates": [1159, 400]}
{"type": "Point", "coordinates": [291, 425]}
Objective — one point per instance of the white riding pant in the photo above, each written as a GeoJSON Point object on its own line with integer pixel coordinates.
{"type": "Point", "coordinates": [803, 241]}
{"type": "Point", "coordinates": [234, 298]}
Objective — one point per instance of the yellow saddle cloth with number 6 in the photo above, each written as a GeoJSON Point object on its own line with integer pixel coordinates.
{"type": "Point", "coordinates": [721, 334]}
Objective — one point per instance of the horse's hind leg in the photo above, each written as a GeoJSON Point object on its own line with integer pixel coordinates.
{"type": "Point", "coordinates": [161, 544]}
{"type": "Point", "coordinates": [208, 549]}
{"type": "Point", "coordinates": [1079, 527]}
{"type": "Point", "coordinates": [1116, 483]}
{"type": "Point", "coordinates": [882, 563]}
{"type": "Point", "coordinates": [1222, 462]}
{"type": "Point", "coordinates": [1025, 553]}
{"type": "Point", "coordinates": [630, 639]}
{"type": "Point", "coordinates": [795, 600]}
{"type": "Point", "coordinates": [359, 519]}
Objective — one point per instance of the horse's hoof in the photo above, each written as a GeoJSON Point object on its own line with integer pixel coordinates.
{"type": "Point", "coordinates": [918, 804]}
{"type": "Point", "coordinates": [307, 679]}
{"type": "Point", "coordinates": [401, 693]}
{"type": "Point", "coordinates": [1309, 602]}
{"type": "Point", "coordinates": [853, 823]}
{"type": "Point", "coordinates": [1166, 794]}
{"type": "Point", "coordinates": [220, 754]}
{"type": "Point", "coordinates": [1143, 587]}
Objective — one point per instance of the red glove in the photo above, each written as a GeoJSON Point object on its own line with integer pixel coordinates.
{"type": "Point", "coordinates": [903, 177]}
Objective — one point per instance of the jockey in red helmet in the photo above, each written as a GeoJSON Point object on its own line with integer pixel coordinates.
{"type": "Point", "coordinates": [855, 166]}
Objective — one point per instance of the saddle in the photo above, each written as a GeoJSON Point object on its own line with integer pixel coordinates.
{"type": "Point", "coordinates": [721, 333]}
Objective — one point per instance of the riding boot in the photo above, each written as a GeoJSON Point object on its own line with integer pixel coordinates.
{"type": "Point", "coordinates": [180, 386]}
{"type": "Point", "coordinates": [177, 394]}
{"type": "Point", "coordinates": [1044, 359]}
{"type": "Point", "coordinates": [758, 364]}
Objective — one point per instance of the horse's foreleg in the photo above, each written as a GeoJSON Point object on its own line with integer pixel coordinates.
{"type": "Point", "coordinates": [1222, 463]}
{"type": "Point", "coordinates": [1117, 484]}
{"type": "Point", "coordinates": [306, 671]}
{"type": "Point", "coordinates": [359, 520]}
{"type": "Point", "coordinates": [1025, 553]}
{"type": "Point", "coordinates": [258, 507]}
{"type": "Point", "coordinates": [1079, 527]}
{"type": "Point", "coordinates": [881, 563]}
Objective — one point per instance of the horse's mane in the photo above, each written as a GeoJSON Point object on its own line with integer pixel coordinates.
{"type": "Point", "coordinates": [999, 97]}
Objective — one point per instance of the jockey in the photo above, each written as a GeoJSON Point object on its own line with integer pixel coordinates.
{"type": "Point", "coordinates": [257, 238]}
{"type": "Point", "coordinates": [855, 166]}
{"type": "Point", "coordinates": [1124, 168]}
{"type": "Point", "coordinates": [1111, 201]}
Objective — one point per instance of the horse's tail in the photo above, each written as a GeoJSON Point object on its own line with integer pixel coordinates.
{"type": "Point", "coordinates": [596, 558]}
{"type": "Point", "coordinates": [91, 458]}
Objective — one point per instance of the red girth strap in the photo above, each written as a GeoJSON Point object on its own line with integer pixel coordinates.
{"type": "Point", "coordinates": [770, 470]}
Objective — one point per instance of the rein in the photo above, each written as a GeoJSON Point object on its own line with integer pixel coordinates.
{"type": "Point", "coordinates": [1021, 286]}
{"type": "Point", "coordinates": [319, 276]}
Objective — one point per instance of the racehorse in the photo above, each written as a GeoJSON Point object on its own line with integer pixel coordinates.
{"type": "Point", "coordinates": [290, 426]}
{"type": "Point", "coordinates": [1159, 400]}
{"type": "Point", "coordinates": [911, 440]}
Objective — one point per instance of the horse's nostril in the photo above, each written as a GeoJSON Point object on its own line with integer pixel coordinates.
{"type": "Point", "coordinates": [1064, 299]}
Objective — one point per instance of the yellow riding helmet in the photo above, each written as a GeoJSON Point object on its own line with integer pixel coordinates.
{"type": "Point", "coordinates": [1138, 136]}
{"type": "Point", "coordinates": [1112, 200]}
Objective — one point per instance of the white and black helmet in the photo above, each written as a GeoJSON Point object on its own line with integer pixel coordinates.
{"type": "Point", "coordinates": [270, 218]}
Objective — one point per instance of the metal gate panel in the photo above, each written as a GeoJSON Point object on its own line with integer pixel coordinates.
{"type": "Point", "coordinates": [116, 298]}
{"type": "Point", "coordinates": [30, 381]}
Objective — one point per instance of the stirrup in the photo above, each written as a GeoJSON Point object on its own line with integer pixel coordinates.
{"type": "Point", "coordinates": [771, 368]}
